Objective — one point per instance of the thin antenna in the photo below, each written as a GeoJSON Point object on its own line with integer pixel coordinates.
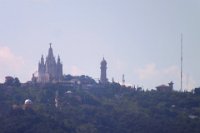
{"type": "Point", "coordinates": [187, 81]}
{"type": "Point", "coordinates": [181, 62]}
{"type": "Point", "coordinates": [123, 79]}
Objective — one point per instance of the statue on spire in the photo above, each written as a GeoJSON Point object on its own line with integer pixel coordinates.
{"type": "Point", "coordinates": [50, 53]}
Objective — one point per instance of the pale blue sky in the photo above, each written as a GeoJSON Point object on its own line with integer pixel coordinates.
{"type": "Point", "coordinates": [138, 38]}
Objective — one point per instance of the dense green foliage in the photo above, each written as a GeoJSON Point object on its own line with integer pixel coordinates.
{"type": "Point", "coordinates": [101, 109]}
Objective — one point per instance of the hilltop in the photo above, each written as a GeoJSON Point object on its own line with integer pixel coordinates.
{"type": "Point", "coordinates": [109, 108]}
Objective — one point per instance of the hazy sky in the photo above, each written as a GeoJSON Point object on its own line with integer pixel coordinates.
{"type": "Point", "coordinates": [138, 38]}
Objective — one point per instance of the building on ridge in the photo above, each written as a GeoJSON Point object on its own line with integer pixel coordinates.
{"type": "Point", "coordinates": [103, 77]}
{"type": "Point", "coordinates": [49, 70]}
{"type": "Point", "coordinates": [165, 88]}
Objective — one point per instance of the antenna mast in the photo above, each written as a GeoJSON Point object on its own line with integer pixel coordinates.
{"type": "Point", "coordinates": [123, 79]}
{"type": "Point", "coordinates": [181, 62]}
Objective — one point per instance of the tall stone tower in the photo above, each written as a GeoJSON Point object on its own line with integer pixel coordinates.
{"type": "Point", "coordinates": [103, 78]}
{"type": "Point", "coordinates": [49, 70]}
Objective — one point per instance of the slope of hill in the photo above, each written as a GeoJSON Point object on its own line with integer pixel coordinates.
{"type": "Point", "coordinates": [100, 109]}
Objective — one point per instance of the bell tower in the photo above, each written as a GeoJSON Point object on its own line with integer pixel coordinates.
{"type": "Point", "coordinates": [103, 78]}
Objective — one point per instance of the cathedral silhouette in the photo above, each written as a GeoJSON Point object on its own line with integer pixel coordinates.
{"type": "Point", "coordinates": [49, 70]}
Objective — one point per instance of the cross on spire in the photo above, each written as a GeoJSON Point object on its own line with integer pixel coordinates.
{"type": "Point", "coordinates": [50, 44]}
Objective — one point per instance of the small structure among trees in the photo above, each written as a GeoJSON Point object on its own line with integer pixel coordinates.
{"type": "Point", "coordinates": [27, 104]}
{"type": "Point", "coordinates": [165, 88]}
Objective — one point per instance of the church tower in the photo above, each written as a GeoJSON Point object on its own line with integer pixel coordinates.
{"type": "Point", "coordinates": [51, 64]}
{"type": "Point", "coordinates": [41, 71]}
{"type": "Point", "coordinates": [59, 69]}
{"type": "Point", "coordinates": [103, 78]}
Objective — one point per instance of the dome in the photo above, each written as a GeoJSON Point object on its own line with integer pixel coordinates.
{"type": "Point", "coordinates": [103, 61]}
{"type": "Point", "coordinates": [28, 102]}
{"type": "Point", "coordinates": [69, 92]}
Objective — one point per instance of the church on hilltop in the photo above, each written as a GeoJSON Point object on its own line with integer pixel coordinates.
{"type": "Point", "coordinates": [49, 70]}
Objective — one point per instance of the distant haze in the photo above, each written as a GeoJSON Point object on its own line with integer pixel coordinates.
{"type": "Point", "coordinates": [138, 38]}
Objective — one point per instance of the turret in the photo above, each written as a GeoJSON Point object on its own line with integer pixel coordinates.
{"type": "Point", "coordinates": [59, 69]}
{"type": "Point", "coordinates": [41, 67]}
{"type": "Point", "coordinates": [42, 60]}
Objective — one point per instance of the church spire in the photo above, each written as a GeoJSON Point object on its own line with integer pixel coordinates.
{"type": "Point", "coordinates": [58, 60]}
{"type": "Point", "coordinates": [50, 53]}
{"type": "Point", "coordinates": [42, 60]}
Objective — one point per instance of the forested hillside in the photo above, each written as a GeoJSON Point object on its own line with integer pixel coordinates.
{"type": "Point", "coordinates": [101, 109]}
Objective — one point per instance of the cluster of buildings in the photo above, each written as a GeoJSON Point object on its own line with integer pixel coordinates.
{"type": "Point", "coordinates": [51, 70]}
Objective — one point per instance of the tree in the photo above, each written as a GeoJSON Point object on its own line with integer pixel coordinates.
{"type": "Point", "coordinates": [16, 82]}
{"type": "Point", "coordinates": [9, 80]}
{"type": "Point", "coordinates": [197, 90]}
